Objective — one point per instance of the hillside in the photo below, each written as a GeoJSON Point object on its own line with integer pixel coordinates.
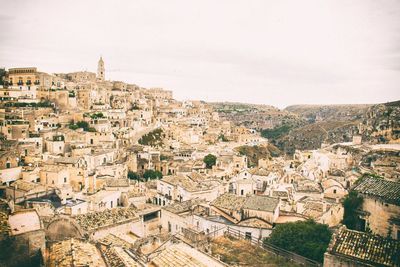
{"type": "Point", "coordinates": [313, 135]}
{"type": "Point", "coordinates": [308, 126]}
{"type": "Point", "coordinates": [254, 153]}
{"type": "Point", "coordinates": [256, 116]}
{"type": "Point", "coordinates": [315, 113]}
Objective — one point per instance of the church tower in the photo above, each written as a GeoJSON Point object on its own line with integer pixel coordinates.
{"type": "Point", "coordinates": [100, 70]}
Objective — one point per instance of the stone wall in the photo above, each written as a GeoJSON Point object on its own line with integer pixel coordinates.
{"type": "Point", "coordinates": [122, 228]}
{"type": "Point", "coordinates": [337, 261]}
{"type": "Point", "coordinates": [62, 228]}
{"type": "Point", "coordinates": [380, 215]}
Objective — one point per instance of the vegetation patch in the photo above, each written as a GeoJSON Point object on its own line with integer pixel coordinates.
{"type": "Point", "coordinates": [147, 175]}
{"type": "Point", "coordinates": [153, 138]}
{"type": "Point", "coordinates": [41, 104]}
{"type": "Point", "coordinates": [276, 132]}
{"type": "Point", "coordinates": [240, 252]}
{"type": "Point", "coordinates": [254, 153]}
{"type": "Point", "coordinates": [81, 124]}
{"type": "Point", "coordinates": [210, 160]}
{"type": "Point", "coordinates": [351, 203]}
{"type": "Point", "coordinates": [306, 238]}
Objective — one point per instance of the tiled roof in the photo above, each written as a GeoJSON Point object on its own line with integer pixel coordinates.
{"type": "Point", "coordinates": [366, 248]}
{"type": "Point", "coordinates": [113, 251]}
{"type": "Point", "coordinates": [112, 182]}
{"type": "Point", "coordinates": [264, 203]}
{"type": "Point", "coordinates": [188, 184]}
{"type": "Point", "coordinates": [255, 222]}
{"type": "Point", "coordinates": [184, 206]}
{"type": "Point", "coordinates": [67, 160]}
{"type": "Point", "coordinates": [229, 201]}
{"type": "Point", "coordinates": [182, 255]}
{"type": "Point", "coordinates": [116, 256]}
{"type": "Point", "coordinates": [74, 252]}
{"type": "Point", "coordinates": [95, 220]}
{"type": "Point", "coordinates": [388, 191]}
{"type": "Point", "coordinates": [27, 186]}
{"type": "Point", "coordinates": [254, 202]}
{"type": "Point", "coordinates": [173, 257]}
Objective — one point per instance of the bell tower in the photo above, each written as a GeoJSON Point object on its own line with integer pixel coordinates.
{"type": "Point", "coordinates": [100, 70]}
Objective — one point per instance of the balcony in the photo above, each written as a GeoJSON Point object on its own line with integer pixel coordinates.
{"type": "Point", "coordinates": [20, 83]}
{"type": "Point", "coordinates": [36, 83]}
{"type": "Point", "coordinates": [28, 82]}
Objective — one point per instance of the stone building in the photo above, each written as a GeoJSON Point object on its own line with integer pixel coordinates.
{"type": "Point", "coordinates": [237, 208]}
{"type": "Point", "coordinates": [381, 206]}
{"type": "Point", "coordinates": [349, 248]}
{"type": "Point", "coordinates": [100, 70]}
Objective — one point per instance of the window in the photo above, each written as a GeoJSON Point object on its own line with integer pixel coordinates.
{"type": "Point", "coordinates": [248, 235]}
{"type": "Point", "coordinates": [334, 191]}
{"type": "Point", "coordinates": [65, 179]}
{"type": "Point", "coordinates": [241, 192]}
{"type": "Point", "coordinates": [8, 165]}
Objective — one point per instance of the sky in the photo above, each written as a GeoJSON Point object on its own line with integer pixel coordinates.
{"type": "Point", "coordinates": [278, 53]}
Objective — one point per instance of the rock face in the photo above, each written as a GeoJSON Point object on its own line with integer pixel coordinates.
{"type": "Point", "coordinates": [255, 153]}
{"type": "Point", "coordinates": [313, 135]}
{"type": "Point", "coordinates": [308, 126]}
{"type": "Point", "coordinates": [256, 116]}
{"type": "Point", "coordinates": [315, 113]}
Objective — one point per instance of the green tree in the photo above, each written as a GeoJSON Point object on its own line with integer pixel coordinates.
{"type": "Point", "coordinates": [151, 174]}
{"type": "Point", "coordinates": [133, 175]}
{"type": "Point", "coordinates": [306, 238]}
{"type": "Point", "coordinates": [153, 138]}
{"type": "Point", "coordinates": [351, 203]}
{"type": "Point", "coordinates": [276, 132]}
{"type": "Point", "coordinates": [222, 138]}
{"type": "Point", "coordinates": [210, 160]}
{"type": "Point", "coordinates": [83, 124]}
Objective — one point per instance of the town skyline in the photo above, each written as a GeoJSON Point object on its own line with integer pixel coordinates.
{"type": "Point", "coordinates": [233, 100]}
{"type": "Point", "coordinates": [264, 53]}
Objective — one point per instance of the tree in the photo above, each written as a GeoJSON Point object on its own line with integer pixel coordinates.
{"type": "Point", "coordinates": [351, 203]}
{"type": "Point", "coordinates": [83, 124]}
{"type": "Point", "coordinates": [153, 138]}
{"type": "Point", "coordinates": [150, 174]}
{"type": "Point", "coordinates": [133, 175]}
{"type": "Point", "coordinates": [210, 160]}
{"type": "Point", "coordinates": [276, 132]}
{"type": "Point", "coordinates": [222, 138]}
{"type": "Point", "coordinates": [306, 238]}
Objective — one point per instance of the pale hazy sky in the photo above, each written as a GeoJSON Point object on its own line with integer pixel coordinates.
{"type": "Point", "coordinates": [270, 52]}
